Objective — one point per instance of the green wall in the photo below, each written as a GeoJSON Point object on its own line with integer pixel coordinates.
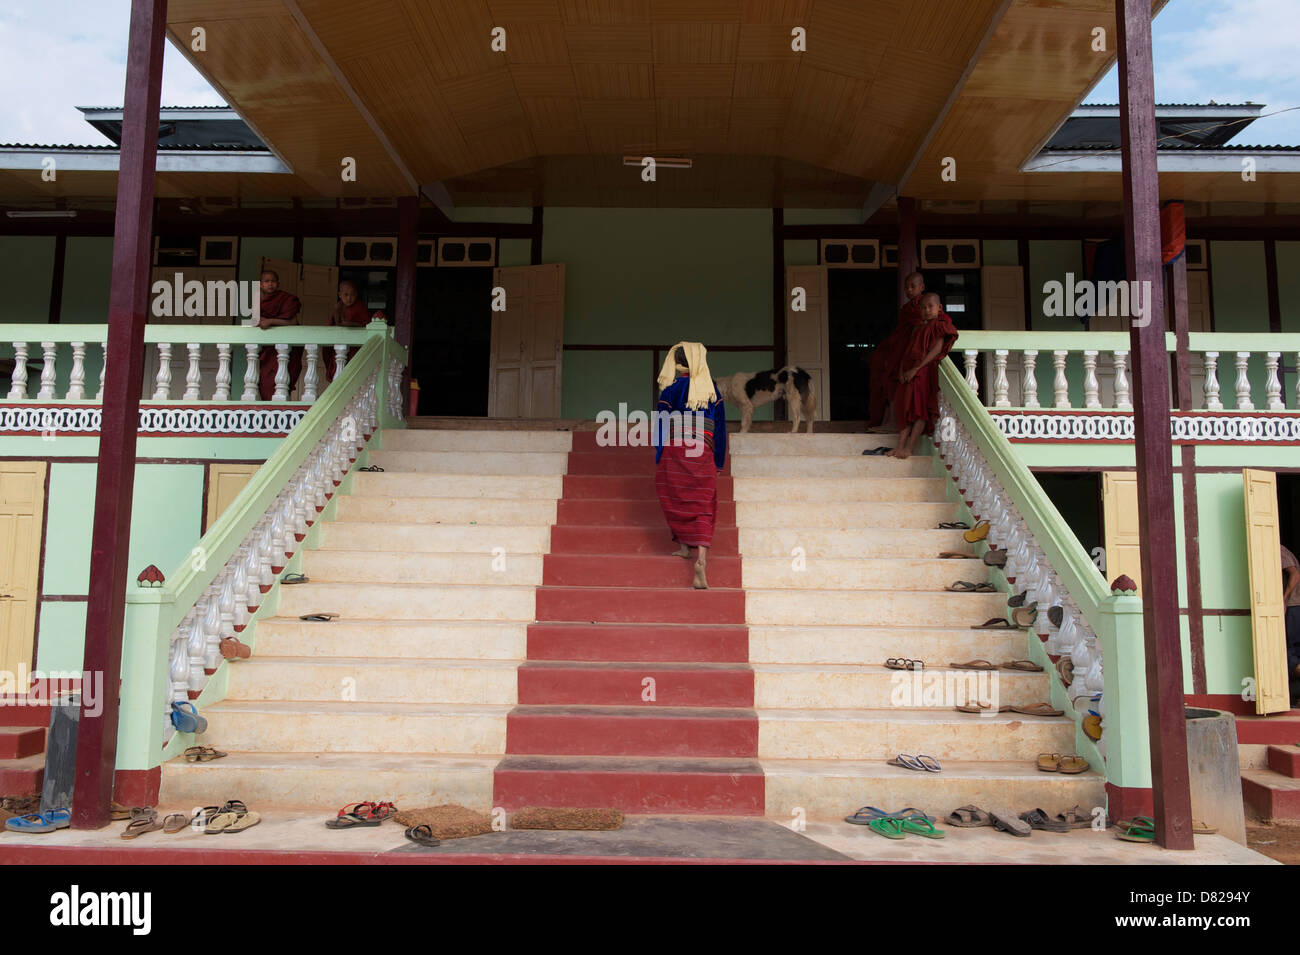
{"type": "Point", "coordinates": [252, 249]}
{"type": "Point", "coordinates": [1239, 289]}
{"type": "Point", "coordinates": [1049, 261]}
{"type": "Point", "coordinates": [26, 272]}
{"type": "Point", "coordinates": [316, 250]}
{"type": "Point", "coordinates": [87, 273]}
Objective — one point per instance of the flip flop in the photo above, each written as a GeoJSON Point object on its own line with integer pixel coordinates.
{"type": "Point", "coordinates": [318, 617]}
{"type": "Point", "coordinates": [423, 836]}
{"type": "Point", "coordinates": [373, 467]}
{"type": "Point", "coordinates": [146, 821]}
{"type": "Point", "coordinates": [1203, 828]}
{"type": "Point", "coordinates": [175, 822]}
{"type": "Point", "coordinates": [46, 821]}
{"type": "Point", "coordinates": [953, 526]}
{"type": "Point", "coordinates": [905, 761]}
{"type": "Point", "coordinates": [186, 718]}
{"type": "Point", "coordinates": [1024, 616]}
{"type": "Point", "coordinates": [977, 533]}
{"type": "Point", "coordinates": [295, 579]}
{"type": "Point", "coordinates": [1018, 600]}
{"type": "Point", "coordinates": [1004, 820]}
{"type": "Point", "coordinates": [1092, 727]}
{"type": "Point", "coordinates": [866, 814]}
{"type": "Point", "coordinates": [222, 818]}
{"type": "Point", "coordinates": [1028, 666]}
{"type": "Point", "coordinates": [973, 664]}
{"type": "Point", "coordinates": [889, 827]}
{"type": "Point", "coordinates": [995, 558]}
{"type": "Point", "coordinates": [978, 707]}
{"type": "Point", "coordinates": [232, 648]}
{"type": "Point", "coordinates": [1055, 615]}
{"type": "Point", "coordinates": [967, 587]}
{"type": "Point", "coordinates": [1038, 709]}
{"type": "Point", "coordinates": [1072, 765]}
{"type": "Point", "coordinates": [969, 817]}
{"type": "Point", "coordinates": [1065, 667]}
{"type": "Point", "coordinates": [1075, 818]}
{"type": "Point", "coordinates": [993, 623]}
{"type": "Point", "coordinates": [919, 826]}
{"type": "Point", "coordinates": [922, 759]}
{"type": "Point", "coordinates": [202, 754]}
{"type": "Point", "coordinates": [955, 555]}
{"type": "Point", "coordinates": [904, 663]}
{"type": "Point", "coordinates": [1038, 819]}
{"type": "Point", "coordinates": [1049, 762]}
{"type": "Point", "coordinates": [875, 452]}
{"type": "Point", "coordinates": [243, 820]}
{"type": "Point", "coordinates": [117, 812]}
{"type": "Point", "coordinates": [1137, 829]}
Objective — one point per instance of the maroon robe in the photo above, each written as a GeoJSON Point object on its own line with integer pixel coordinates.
{"type": "Point", "coordinates": [281, 305]}
{"type": "Point", "coordinates": [355, 315]}
{"type": "Point", "coordinates": [918, 399]}
{"type": "Point", "coordinates": [884, 361]}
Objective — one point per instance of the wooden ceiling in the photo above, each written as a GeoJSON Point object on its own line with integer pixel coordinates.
{"type": "Point", "coordinates": [414, 92]}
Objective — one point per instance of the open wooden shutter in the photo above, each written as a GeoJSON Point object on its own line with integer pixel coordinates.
{"type": "Point", "coordinates": [1119, 498]}
{"type": "Point", "coordinates": [527, 343]}
{"type": "Point", "coordinates": [807, 332]}
{"type": "Point", "coordinates": [1267, 615]}
{"type": "Point", "coordinates": [22, 506]}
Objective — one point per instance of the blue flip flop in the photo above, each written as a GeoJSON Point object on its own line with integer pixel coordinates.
{"type": "Point", "coordinates": [186, 718]}
{"type": "Point", "coordinates": [929, 763]}
{"type": "Point", "coordinates": [864, 815]}
{"type": "Point", "coordinates": [40, 821]}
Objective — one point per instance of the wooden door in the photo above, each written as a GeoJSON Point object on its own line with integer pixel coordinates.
{"type": "Point", "coordinates": [807, 331]}
{"type": "Point", "coordinates": [527, 341]}
{"type": "Point", "coordinates": [22, 508]}
{"type": "Point", "coordinates": [1267, 615]}
{"type": "Point", "coordinates": [1002, 299]}
{"type": "Point", "coordinates": [1119, 498]}
{"type": "Point", "coordinates": [318, 290]}
{"type": "Point", "coordinates": [225, 481]}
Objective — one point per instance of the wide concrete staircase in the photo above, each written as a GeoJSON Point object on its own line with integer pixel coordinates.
{"type": "Point", "coordinates": [432, 566]}
{"type": "Point", "coordinates": [841, 572]}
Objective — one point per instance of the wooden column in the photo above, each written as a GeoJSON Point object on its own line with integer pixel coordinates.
{"type": "Point", "coordinates": [408, 218]}
{"type": "Point", "coordinates": [907, 257]}
{"type": "Point", "coordinates": [1164, 667]}
{"type": "Point", "coordinates": [128, 303]}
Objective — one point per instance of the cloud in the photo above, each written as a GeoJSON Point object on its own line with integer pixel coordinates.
{"type": "Point", "coordinates": [59, 56]}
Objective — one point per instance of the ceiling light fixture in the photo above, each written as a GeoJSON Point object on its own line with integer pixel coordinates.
{"type": "Point", "coordinates": [41, 214]}
{"type": "Point", "coordinates": [665, 162]}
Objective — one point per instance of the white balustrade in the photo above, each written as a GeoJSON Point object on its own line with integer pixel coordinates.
{"type": "Point", "coordinates": [77, 377]}
{"type": "Point", "coordinates": [282, 382]}
{"type": "Point", "coordinates": [1028, 383]}
{"type": "Point", "coordinates": [222, 391]}
{"type": "Point", "coordinates": [1119, 361]}
{"type": "Point", "coordinates": [1272, 386]}
{"type": "Point", "coordinates": [1060, 385]}
{"type": "Point", "coordinates": [193, 376]}
{"type": "Point", "coordinates": [1243, 382]}
{"type": "Point", "coordinates": [971, 380]}
{"type": "Point", "coordinates": [18, 381]}
{"type": "Point", "coordinates": [103, 367]}
{"type": "Point", "coordinates": [163, 390]}
{"type": "Point", "coordinates": [310, 375]}
{"type": "Point", "coordinates": [251, 353]}
{"type": "Point", "coordinates": [48, 353]}
{"type": "Point", "coordinates": [1000, 384]}
{"type": "Point", "coordinates": [1212, 402]}
{"type": "Point", "coordinates": [340, 359]}
{"type": "Point", "coordinates": [1090, 385]}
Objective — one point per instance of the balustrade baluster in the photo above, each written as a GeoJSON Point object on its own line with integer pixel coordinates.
{"type": "Point", "coordinates": [1123, 399]}
{"type": "Point", "coordinates": [250, 373]}
{"type": "Point", "coordinates": [310, 377]}
{"type": "Point", "coordinates": [18, 383]}
{"type": "Point", "coordinates": [1243, 382]}
{"type": "Point", "coordinates": [192, 374]}
{"type": "Point", "coordinates": [1212, 402]}
{"type": "Point", "coordinates": [222, 392]}
{"type": "Point", "coordinates": [1090, 384]}
{"type": "Point", "coordinates": [1060, 385]}
{"type": "Point", "coordinates": [77, 377]}
{"type": "Point", "coordinates": [49, 351]}
{"type": "Point", "coordinates": [971, 355]}
{"type": "Point", "coordinates": [1028, 383]}
{"type": "Point", "coordinates": [163, 390]}
{"type": "Point", "coordinates": [340, 359]}
{"type": "Point", "coordinates": [1272, 386]}
{"type": "Point", "coordinates": [1000, 384]}
{"type": "Point", "coordinates": [103, 367]}
{"type": "Point", "coordinates": [282, 382]}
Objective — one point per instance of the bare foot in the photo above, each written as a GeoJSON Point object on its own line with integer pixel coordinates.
{"type": "Point", "coordinates": [700, 582]}
{"type": "Point", "coordinates": [683, 551]}
{"type": "Point", "coordinates": [901, 453]}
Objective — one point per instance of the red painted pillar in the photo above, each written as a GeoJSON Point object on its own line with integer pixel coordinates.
{"type": "Point", "coordinates": [408, 218]}
{"type": "Point", "coordinates": [128, 302]}
{"type": "Point", "coordinates": [1167, 723]}
{"type": "Point", "coordinates": [907, 258]}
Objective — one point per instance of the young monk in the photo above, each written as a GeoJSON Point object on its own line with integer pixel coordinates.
{"type": "Point", "coordinates": [884, 360]}
{"type": "Point", "coordinates": [279, 308]}
{"type": "Point", "coordinates": [916, 400]}
{"type": "Point", "coordinates": [687, 468]}
{"type": "Point", "coordinates": [349, 312]}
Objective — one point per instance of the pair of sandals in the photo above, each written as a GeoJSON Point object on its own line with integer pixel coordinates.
{"type": "Point", "coordinates": [919, 763]}
{"type": "Point", "coordinates": [145, 819]}
{"type": "Point", "coordinates": [1143, 829]}
{"type": "Point", "coordinates": [234, 816]}
{"type": "Point", "coordinates": [904, 663]}
{"type": "Point", "coordinates": [46, 821]}
{"type": "Point", "coordinates": [1030, 709]}
{"type": "Point", "coordinates": [970, 587]}
{"type": "Point", "coordinates": [319, 617]}
{"type": "Point", "coordinates": [1020, 617]}
{"type": "Point", "coordinates": [202, 754]}
{"type": "Point", "coordinates": [896, 825]}
{"type": "Point", "coordinates": [186, 718]}
{"type": "Point", "coordinates": [1025, 666]}
{"type": "Point", "coordinates": [1056, 763]}
{"type": "Point", "coordinates": [362, 815]}
{"type": "Point", "coordinates": [422, 835]}
{"type": "Point", "coordinates": [1004, 820]}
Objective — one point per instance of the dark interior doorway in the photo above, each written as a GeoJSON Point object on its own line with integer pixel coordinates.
{"type": "Point", "coordinates": [861, 310]}
{"type": "Point", "coordinates": [1288, 510]}
{"type": "Point", "coordinates": [1078, 497]}
{"type": "Point", "coordinates": [453, 338]}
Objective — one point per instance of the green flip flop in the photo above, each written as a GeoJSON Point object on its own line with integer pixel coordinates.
{"type": "Point", "coordinates": [1137, 829]}
{"type": "Point", "coordinates": [890, 828]}
{"type": "Point", "coordinates": [920, 826]}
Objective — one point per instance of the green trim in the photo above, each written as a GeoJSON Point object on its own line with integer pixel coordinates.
{"type": "Point", "coordinates": [197, 334]}
{"type": "Point", "coordinates": [1225, 343]}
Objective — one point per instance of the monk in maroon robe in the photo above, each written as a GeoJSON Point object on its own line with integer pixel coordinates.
{"type": "Point", "coordinates": [916, 400]}
{"type": "Point", "coordinates": [884, 360]}
{"type": "Point", "coordinates": [279, 309]}
{"type": "Point", "coordinates": [349, 312]}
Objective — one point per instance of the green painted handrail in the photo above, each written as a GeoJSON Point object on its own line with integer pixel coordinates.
{"type": "Point", "coordinates": [196, 334]}
{"type": "Point", "coordinates": [153, 614]}
{"type": "Point", "coordinates": [1222, 342]}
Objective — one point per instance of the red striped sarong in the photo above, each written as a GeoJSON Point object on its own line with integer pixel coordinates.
{"type": "Point", "coordinates": [688, 493]}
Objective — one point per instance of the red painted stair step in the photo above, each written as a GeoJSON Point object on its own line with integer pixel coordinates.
{"type": "Point", "coordinates": [640, 605]}
{"type": "Point", "coordinates": [646, 642]}
{"type": "Point", "coordinates": [634, 570]}
{"type": "Point", "coordinates": [626, 684]}
{"type": "Point", "coordinates": [594, 539]}
{"type": "Point", "coordinates": [628, 487]}
{"type": "Point", "coordinates": [647, 730]}
{"type": "Point", "coordinates": [1285, 760]}
{"type": "Point", "coordinates": [703, 786]}
{"type": "Point", "coordinates": [22, 777]}
{"type": "Point", "coordinates": [629, 513]}
{"type": "Point", "coordinates": [19, 741]}
{"type": "Point", "coordinates": [617, 461]}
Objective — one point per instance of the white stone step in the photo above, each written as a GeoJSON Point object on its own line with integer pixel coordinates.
{"type": "Point", "coordinates": [401, 639]}
{"type": "Point", "coordinates": [409, 602]}
{"type": "Point", "coordinates": [853, 515]}
{"type": "Point", "coordinates": [361, 679]}
{"type": "Point", "coordinates": [819, 466]}
{"type": "Point", "coordinates": [439, 439]}
{"type": "Point", "coordinates": [472, 462]}
{"type": "Point", "coordinates": [321, 727]}
{"type": "Point", "coordinates": [819, 445]}
{"type": "Point", "coordinates": [329, 781]}
{"type": "Point", "coordinates": [832, 789]}
{"type": "Point", "coordinates": [873, 686]}
{"type": "Point", "coordinates": [395, 567]}
{"type": "Point", "coordinates": [817, 573]}
{"type": "Point", "coordinates": [866, 734]}
{"type": "Point", "coordinates": [435, 538]}
{"type": "Point", "coordinates": [935, 646]}
{"type": "Point", "coordinates": [870, 608]}
{"type": "Point", "coordinates": [399, 484]}
{"type": "Point", "coordinates": [864, 542]}
{"type": "Point", "coordinates": [839, 489]}
{"type": "Point", "coordinates": [430, 510]}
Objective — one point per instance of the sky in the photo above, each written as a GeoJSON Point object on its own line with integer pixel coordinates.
{"type": "Point", "coordinates": [61, 54]}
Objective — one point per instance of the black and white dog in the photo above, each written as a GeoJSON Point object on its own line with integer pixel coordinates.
{"type": "Point", "coordinates": [749, 390]}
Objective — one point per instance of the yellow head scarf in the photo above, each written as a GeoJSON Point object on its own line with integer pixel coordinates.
{"type": "Point", "coordinates": [702, 393]}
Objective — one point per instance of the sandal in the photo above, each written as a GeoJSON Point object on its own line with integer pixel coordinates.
{"type": "Point", "coordinates": [372, 467]}
{"type": "Point", "coordinates": [1075, 818]}
{"type": "Point", "coordinates": [223, 818]}
{"type": "Point", "coordinates": [920, 826]}
{"type": "Point", "coordinates": [1203, 828]}
{"type": "Point", "coordinates": [1072, 765]}
{"type": "Point", "coordinates": [232, 648]}
{"type": "Point", "coordinates": [1028, 666]}
{"type": "Point", "coordinates": [955, 555]}
{"type": "Point", "coordinates": [1038, 709]}
{"type": "Point", "coordinates": [117, 812]}
{"type": "Point", "coordinates": [904, 761]}
{"type": "Point", "coordinates": [202, 754]}
{"type": "Point", "coordinates": [995, 558]}
{"type": "Point", "coordinates": [295, 579]}
{"type": "Point", "coordinates": [46, 821]}
{"type": "Point", "coordinates": [966, 587]}
{"type": "Point", "coordinates": [888, 827]}
{"type": "Point", "coordinates": [423, 835]}
{"type": "Point", "coordinates": [904, 663]}
{"type": "Point", "coordinates": [1137, 829]}
{"type": "Point", "coordinates": [175, 822]}
{"type": "Point", "coordinates": [864, 815]}
{"type": "Point", "coordinates": [1024, 616]}
{"type": "Point", "coordinates": [875, 452]}
{"type": "Point", "coordinates": [1037, 819]}
{"type": "Point", "coordinates": [969, 817]}
{"type": "Point", "coordinates": [1055, 615]}
{"type": "Point", "coordinates": [977, 533]}
{"type": "Point", "coordinates": [1049, 762]}
{"type": "Point", "coordinates": [1018, 600]}
{"type": "Point", "coordinates": [978, 707]}
{"type": "Point", "coordinates": [186, 718]}
{"type": "Point", "coordinates": [1004, 820]}
{"type": "Point", "coordinates": [953, 526]}
{"type": "Point", "coordinates": [243, 820]}
{"type": "Point", "coordinates": [922, 759]}
{"type": "Point", "coordinates": [1092, 727]}
{"type": "Point", "coordinates": [318, 617]}
{"type": "Point", "coordinates": [973, 665]}
{"type": "Point", "coordinates": [146, 820]}
{"type": "Point", "coordinates": [1065, 667]}
{"type": "Point", "coordinates": [993, 623]}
